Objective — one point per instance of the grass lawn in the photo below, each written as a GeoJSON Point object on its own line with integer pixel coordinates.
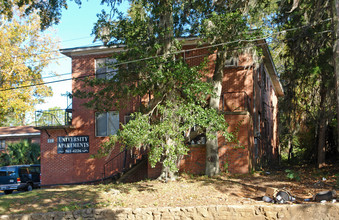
{"type": "Point", "coordinates": [188, 190]}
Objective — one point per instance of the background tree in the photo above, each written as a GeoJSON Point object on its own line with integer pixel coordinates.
{"type": "Point", "coordinates": [49, 11]}
{"type": "Point", "coordinates": [308, 109]}
{"type": "Point", "coordinates": [55, 116]}
{"type": "Point", "coordinates": [25, 52]}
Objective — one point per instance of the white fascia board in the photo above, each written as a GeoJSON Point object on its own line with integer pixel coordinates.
{"type": "Point", "coordinates": [82, 51]}
{"type": "Point", "coordinates": [93, 50]}
{"type": "Point", "coordinates": [19, 135]}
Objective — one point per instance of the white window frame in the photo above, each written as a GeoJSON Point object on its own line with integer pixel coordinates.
{"type": "Point", "coordinates": [115, 127]}
{"type": "Point", "coordinates": [106, 70]}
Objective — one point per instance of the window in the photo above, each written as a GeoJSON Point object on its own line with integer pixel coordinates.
{"type": "Point", "coordinates": [200, 139]}
{"type": "Point", "coordinates": [23, 170]}
{"type": "Point", "coordinates": [2, 144]}
{"type": "Point", "coordinates": [105, 69]}
{"type": "Point", "coordinates": [106, 123]}
{"type": "Point", "coordinates": [197, 136]}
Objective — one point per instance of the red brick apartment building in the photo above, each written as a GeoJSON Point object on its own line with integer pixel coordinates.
{"type": "Point", "coordinates": [17, 134]}
{"type": "Point", "coordinates": [249, 102]}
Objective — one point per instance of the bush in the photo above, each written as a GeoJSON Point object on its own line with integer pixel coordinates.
{"type": "Point", "coordinates": [22, 152]}
{"type": "Point", "coordinates": [292, 175]}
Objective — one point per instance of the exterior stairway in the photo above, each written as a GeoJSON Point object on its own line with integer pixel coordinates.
{"type": "Point", "coordinates": [126, 166]}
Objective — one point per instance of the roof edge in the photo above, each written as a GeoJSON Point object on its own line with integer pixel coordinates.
{"type": "Point", "coordinates": [20, 135]}
{"type": "Point", "coordinates": [93, 50]}
{"type": "Point", "coordinates": [101, 49]}
{"type": "Point", "coordinates": [268, 61]}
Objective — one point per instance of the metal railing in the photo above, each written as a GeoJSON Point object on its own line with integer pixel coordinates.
{"type": "Point", "coordinates": [122, 162]}
{"type": "Point", "coordinates": [235, 102]}
{"type": "Point", "coordinates": [57, 117]}
{"type": "Point", "coordinates": [115, 165]}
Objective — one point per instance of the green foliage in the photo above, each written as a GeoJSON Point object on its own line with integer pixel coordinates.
{"type": "Point", "coordinates": [165, 137]}
{"type": "Point", "coordinates": [49, 11]}
{"type": "Point", "coordinates": [226, 165]}
{"type": "Point", "coordinates": [292, 175]}
{"type": "Point", "coordinates": [25, 53]}
{"type": "Point", "coordinates": [224, 28]}
{"type": "Point", "coordinates": [308, 78]}
{"type": "Point", "coordinates": [178, 92]}
{"type": "Point", "coordinates": [53, 117]}
{"type": "Point", "coordinates": [20, 153]}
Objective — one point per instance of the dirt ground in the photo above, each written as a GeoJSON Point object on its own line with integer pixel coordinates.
{"type": "Point", "coordinates": [188, 190]}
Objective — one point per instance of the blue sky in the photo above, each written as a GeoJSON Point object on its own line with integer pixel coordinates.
{"type": "Point", "coordinates": [74, 30]}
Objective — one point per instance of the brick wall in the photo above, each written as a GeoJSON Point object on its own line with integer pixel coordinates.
{"type": "Point", "coordinates": [74, 168]}
{"type": "Point", "coordinates": [266, 105]}
{"type": "Point", "coordinates": [241, 92]}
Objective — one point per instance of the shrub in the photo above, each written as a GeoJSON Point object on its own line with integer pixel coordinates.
{"type": "Point", "coordinates": [22, 152]}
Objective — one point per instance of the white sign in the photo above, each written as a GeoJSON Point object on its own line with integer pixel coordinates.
{"type": "Point", "coordinates": [50, 140]}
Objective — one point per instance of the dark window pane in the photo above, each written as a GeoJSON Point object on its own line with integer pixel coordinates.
{"type": "Point", "coordinates": [100, 68]}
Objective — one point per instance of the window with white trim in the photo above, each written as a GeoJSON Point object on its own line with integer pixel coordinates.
{"type": "Point", "coordinates": [105, 69]}
{"type": "Point", "coordinates": [106, 123]}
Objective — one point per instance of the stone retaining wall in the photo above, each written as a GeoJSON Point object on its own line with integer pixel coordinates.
{"type": "Point", "coordinates": [237, 212]}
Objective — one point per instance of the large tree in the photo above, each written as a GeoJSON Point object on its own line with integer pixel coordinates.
{"type": "Point", "coordinates": [178, 93]}
{"type": "Point", "coordinates": [229, 25]}
{"type": "Point", "coordinates": [150, 30]}
{"type": "Point", "coordinates": [308, 76]}
{"type": "Point", "coordinates": [25, 52]}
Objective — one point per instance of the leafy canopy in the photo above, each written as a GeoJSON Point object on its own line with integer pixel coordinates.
{"type": "Point", "coordinates": [24, 53]}
{"type": "Point", "coordinates": [49, 11]}
{"type": "Point", "coordinates": [153, 69]}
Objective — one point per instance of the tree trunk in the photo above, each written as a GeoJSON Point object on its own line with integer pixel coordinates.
{"type": "Point", "coordinates": [166, 38]}
{"type": "Point", "coordinates": [212, 153]}
{"type": "Point", "coordinates": [336, 58]}
{"type": "Point", "coordinates": [322, 126]}
{"type": "Point", "coordinates": [166, 26]}
{"type": "Point", "coordinates": [166, 173]}
{"type": "Point", "coordinates": [321, 143]}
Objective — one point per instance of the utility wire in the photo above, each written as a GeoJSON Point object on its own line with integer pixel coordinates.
{"type": "Point", "coordinates": [175, 53]}
{"type": "Point", "coordinates": [57, 75]}
{"type": "Point", "coordinates": [236, 41]}
{"type": "Point", "coordinates": [279, 32]}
